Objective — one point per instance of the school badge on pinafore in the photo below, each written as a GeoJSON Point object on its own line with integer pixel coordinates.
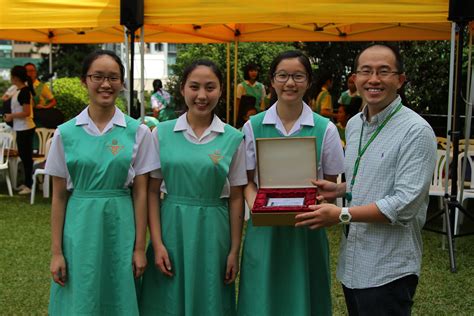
{"type": "Point", "coordinates": [115, 148]}
{"type": "Point", "coordinates": [216, 156]}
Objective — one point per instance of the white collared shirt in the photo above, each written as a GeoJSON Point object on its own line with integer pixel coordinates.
{"type": "Point", "coordinates": [143, 159]}
{"type": "Point", "coordinates": [237, 171]}
{"type": "Point", "coordinates": [332, 155]}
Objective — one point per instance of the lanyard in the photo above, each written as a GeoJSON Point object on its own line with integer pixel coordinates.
{"type": "Point", "coordinates": [362, 150]}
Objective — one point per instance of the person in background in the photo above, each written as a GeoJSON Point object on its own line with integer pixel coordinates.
{"type": "Point", "coordinates": [43, 98]}
{"type": "Point", "coordinates": [160, 98]}
{"type": "Point", "coordinates": [322, 103]}
{"type": "Point", "coordinates": [99, 162]}
{"type": "Point", "coordinates": [22, 117]}
{"type": "Point", "coordinates": [285, 270]}
{"type": "Point", "coordinates": [350, 94]}
{"type": "Point", "coordinates": [196, 229]}
{"type": "Point", "coordinates": [6, 101]}
{"type": "Point", "coordinates": [389, 164]}
{"type": "Point", "coordinates": [251, 86]}
{"type": "Point", "coordinates": [344, 113]}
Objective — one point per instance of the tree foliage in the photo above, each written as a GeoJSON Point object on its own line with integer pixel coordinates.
{"type": "Point", "coordinates": [260, 53]}
{"type": "Point", "coordinates": [334, 57]}
{"type": "Point", "coordinates": [72, 97]}
{"type": "Point", "coordinates": [426, 67]}
{"type": "Point", "coordinates": [67, 60]}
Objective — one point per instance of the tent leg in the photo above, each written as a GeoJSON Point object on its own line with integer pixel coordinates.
{"type": "Point", "coordinates": [236, 59]}
{"type": "Point", "coordinates": [127, 67]}
{"type": "Point", "coordinates": [142, 72]}
{"type": "Point", "coordinates": [227, 112]}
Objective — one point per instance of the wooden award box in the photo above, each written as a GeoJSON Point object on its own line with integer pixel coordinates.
{"type": "Point", "coordinates": [285, 168]}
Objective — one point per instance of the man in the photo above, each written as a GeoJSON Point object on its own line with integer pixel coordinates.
{"type": "Point", "coordinates": [387, 189]}
{"type": "Point", "coordinates": [44, 99]}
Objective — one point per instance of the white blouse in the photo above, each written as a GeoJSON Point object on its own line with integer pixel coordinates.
{"type": "Point", "coordinates": [332, 154]}
{"type": "Point", "coordinates": [144, 160]}
{"type": "Point", "coordinates": [237, 170]}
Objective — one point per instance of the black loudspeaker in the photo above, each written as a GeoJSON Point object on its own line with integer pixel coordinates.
{"type": "Point", "coordinates": [461, 10]}
{"type": "Point", "coordinates": [131, 13]}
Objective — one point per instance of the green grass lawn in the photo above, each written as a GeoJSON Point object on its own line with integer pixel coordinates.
{"type": "Point", "coordinates": [25, 279]}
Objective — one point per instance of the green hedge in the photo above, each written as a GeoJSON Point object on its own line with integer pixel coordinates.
{"type": "Point", "coordinates": [72, 97]}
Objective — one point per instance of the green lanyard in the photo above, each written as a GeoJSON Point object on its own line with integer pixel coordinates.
{"type": "Point", "coordinates": [362, 150]}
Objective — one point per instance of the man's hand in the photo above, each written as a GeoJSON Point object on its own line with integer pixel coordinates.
{"type": "Point", "coordinates": [322, 215]}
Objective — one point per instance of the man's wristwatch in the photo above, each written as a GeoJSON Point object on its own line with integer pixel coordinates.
{"type": "Point", "coordinates": [345, 216]}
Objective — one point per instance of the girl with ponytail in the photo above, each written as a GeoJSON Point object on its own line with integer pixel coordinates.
{"type": "Point", "coordinates": [22, 118]}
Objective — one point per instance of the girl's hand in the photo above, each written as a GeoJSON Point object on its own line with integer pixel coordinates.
{"type": "Point", "coordinates": [7, 117]}
{"type": "Point", "coordinates": [58, 269]}
{"type": "Point", "coordinates": [139, 263]}
{"type": "Point", "coordinates": [162, 260]}
{"type": "Point", "coordinates": [232, 268]}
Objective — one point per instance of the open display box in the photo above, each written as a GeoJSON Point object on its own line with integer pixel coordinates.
{"type": "Point", "coordinates": [286, 166]}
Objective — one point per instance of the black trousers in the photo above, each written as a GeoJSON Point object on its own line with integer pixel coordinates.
{"type": "Point", "coordinates": [24, 141]}
{"type": "Point", "coordinates": [394, 298]}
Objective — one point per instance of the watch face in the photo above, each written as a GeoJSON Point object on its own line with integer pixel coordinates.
{"type": "Point", "coordinates": [344, 217]}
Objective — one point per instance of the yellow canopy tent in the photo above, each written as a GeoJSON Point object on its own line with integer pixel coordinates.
{"type": "Point", "coordinates": [226, 21]}
{"type": "Point", "coordinates": [191, 21]}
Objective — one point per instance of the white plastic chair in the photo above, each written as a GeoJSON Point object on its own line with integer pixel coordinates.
{"type": "Point", "coordinates": [4, 127]}
{"type": "Point", "coordinates": [43, 135]}
{"type": "Point", "coordinates": [468, 186]}
{"type": "Point", "coordinates": [438, 181]}
{"type": "Point", "coordinates": [6, 140]}
{"type": "Point", "coordinates": [41, 171]}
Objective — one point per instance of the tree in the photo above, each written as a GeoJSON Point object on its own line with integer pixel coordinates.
{"type": "Point", "coordinates": [260, 53]}
{"type": "Point", "coordinates": [426, 67]}
{"type": "Point", "coordinates": [67, 60]}
{"type": "Point", "coordinates": [334, 57]}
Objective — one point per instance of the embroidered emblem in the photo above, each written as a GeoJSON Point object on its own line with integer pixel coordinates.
{"type": "Point", "coordinates": [216, 156]}
{"type": "Point", "coordinates": [115, 148]}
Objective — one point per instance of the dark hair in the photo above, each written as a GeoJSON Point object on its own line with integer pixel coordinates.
{"type": "Point", "coordinates": [157, 85]}
{"type": "Point", "coordinates": [395, 51]}
{"type": "Point", "coordinates": [89, 59]}
{"type": "Point", "coordinates": [248, 67]}
{"type": "Point", "coordinates": [201, 62]}
{"type": "Point", "coordinates": [20, 72]}
{"type": "Point", "coordinates": [353, 107]}
{"type": "Point", "coordinates": [303, 59]}
{"type": "Point", "coordinates": [321, 78]}
{"type": "Point", "coordinates": [29, 64]}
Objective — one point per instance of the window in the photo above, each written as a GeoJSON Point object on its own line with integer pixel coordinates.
{"type": "Point", "coordinates": [159, 47]}
{"type": "Point", "coordinates": [172, 48]}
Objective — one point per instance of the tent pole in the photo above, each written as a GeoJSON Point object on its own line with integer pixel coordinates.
{"type": "Point", "coordinates": [227, 97]}
{"type": "Point", "coordinates": [450, 102]}
{"type": "Point", "coordinates": [142, 71]}
{"type": "Point", "coordinates": [236, 58]}
{"type": "Point", "coordinates": [446, 212]}
{"type": "Point", "coordinates": [133, 109]}
{"type": "Point", "coordinates": [50, 75]}
{"type": "Point", "coordinates": [468, 117]}
{"type": "Point", "coordinates": [127, 67]}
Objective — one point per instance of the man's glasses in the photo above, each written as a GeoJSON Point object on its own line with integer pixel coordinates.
{"type": "Point", "coordinates": [283, 77]}
{"type": "Point", "coordinates": [382, 73]}
{"type": "Point", "coordinates": [99, 78]}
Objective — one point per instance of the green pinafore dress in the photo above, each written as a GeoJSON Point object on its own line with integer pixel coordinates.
{"type": "Point", "coordinates": [99, 227]}
{"type": "Point", "coordinates": [285, 270]}
{"type": "Point", "coordinates": [256, 91]}
{"type": "Point", "coordinates": [195, 227]}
